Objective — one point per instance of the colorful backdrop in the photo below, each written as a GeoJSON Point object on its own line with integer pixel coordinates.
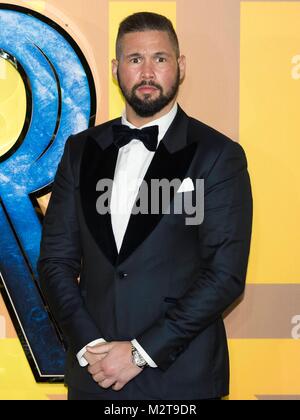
{"type": "Point", "coordinates": [243, 78]}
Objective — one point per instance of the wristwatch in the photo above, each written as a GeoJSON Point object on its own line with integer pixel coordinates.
{"type": "Point", "coordinates": [137, 358]}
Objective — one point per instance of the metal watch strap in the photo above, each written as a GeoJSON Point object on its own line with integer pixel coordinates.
{"type": "Point", "coordinates": [137, 358]}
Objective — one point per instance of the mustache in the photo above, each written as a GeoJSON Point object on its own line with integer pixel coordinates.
{"type": "Point", "coordinates": [145, 83]}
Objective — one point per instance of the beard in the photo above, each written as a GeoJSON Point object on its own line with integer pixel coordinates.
{"type": "Point", "coordinates": [148, 107]}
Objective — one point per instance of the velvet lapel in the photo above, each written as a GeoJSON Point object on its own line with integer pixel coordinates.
{"type": "Point", "coordinates": [171, 161]}
{"type": "Point", "coordinates": [98, 163]}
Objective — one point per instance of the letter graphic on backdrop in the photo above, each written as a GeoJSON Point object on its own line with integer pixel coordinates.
{"type": "Point", "coordinates": [46, 93]}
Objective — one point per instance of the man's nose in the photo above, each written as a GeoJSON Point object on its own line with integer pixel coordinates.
{"type": "Point", "coordinates": [148, 71]}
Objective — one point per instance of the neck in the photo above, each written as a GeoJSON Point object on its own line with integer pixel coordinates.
{"type": "Point", "coordinates": [139, 121]}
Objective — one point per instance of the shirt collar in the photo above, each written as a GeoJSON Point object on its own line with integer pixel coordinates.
{"type": "Point", "coordinates": [163, 122]}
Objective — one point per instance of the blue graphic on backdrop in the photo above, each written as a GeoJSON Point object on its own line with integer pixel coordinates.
{"type": "Point", "coordinates": [62, 94]}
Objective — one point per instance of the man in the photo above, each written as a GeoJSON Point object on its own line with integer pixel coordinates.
{"type": "Point", "coordinates": [145, 319]}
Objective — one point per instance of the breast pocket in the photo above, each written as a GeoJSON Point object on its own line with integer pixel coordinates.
{"type": "Point", "coordinates": [182, 209]}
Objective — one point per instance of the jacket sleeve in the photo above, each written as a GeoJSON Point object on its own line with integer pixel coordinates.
{"type": "Point", "coordinates": [59, 263]}
{"type": "Point", "coordinates": [224, 242]}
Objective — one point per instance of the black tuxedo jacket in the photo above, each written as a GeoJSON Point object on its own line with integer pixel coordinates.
{"type": "Point", "coordinates": [170, 284]}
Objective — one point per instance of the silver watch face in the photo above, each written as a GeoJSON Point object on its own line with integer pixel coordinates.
{"type": "Point", "coordinates": [138, 359]}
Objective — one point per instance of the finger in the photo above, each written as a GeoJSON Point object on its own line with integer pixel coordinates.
{"type": "Point", "coordinates": [94, 358]}
{"type": "Point", "coordinates": [118, 386]}
{"type": "Point", "coordinates": [99, 377]}
{"type": "Point", "coordinates": [107, 383]}
{"type": "Point", "coordinates": [95, 369]}
{"type": "Point", "coordinates": [100, 349]}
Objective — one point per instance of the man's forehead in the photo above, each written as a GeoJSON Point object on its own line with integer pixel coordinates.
{"type": "Point", "coordinates": [146, 42]}
{"type": "Point", "coordinates": [146, 39]}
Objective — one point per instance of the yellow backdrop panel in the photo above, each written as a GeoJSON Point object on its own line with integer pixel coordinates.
{"type": "Point", "coordinates": [261, 369]}
{"type": "Point", "coordinates": [269, 124]}
{"type": "Point", "coordinates": [270, 38]}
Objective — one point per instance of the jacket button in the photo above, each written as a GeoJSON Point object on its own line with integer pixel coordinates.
{"type": "Point", "coordinates": [123, 275]}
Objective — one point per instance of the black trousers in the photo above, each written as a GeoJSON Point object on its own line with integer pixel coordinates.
{"type": "Point", "coordinates": [127, 393]}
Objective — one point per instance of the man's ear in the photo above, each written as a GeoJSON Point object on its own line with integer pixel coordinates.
{"type": "Point", "coordinates": [182, 67]}
{"type": "Point", "coordinates": [115, 65]}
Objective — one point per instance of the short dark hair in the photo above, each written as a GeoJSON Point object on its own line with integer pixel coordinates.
{"type": "Point", "coordinates": [146, 21]}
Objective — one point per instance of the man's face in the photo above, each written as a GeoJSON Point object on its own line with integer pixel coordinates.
{"type": "Point", "coordinates": [148, 71]}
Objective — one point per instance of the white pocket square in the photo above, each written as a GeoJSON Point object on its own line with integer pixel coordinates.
{"type": "Point", "coordinates": [186, 186]}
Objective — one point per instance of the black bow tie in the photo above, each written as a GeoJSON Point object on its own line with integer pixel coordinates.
{"type": "Point", "coordinates": [123, 135]}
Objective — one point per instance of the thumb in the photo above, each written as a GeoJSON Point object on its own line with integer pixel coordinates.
{"type": "Point", "coordinates": [100, 348]}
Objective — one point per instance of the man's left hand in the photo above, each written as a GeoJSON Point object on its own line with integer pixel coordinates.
{"type": "Point", "coordinates": [116, 369]}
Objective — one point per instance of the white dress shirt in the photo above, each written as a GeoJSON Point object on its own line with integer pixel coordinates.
{"type": "Point", "coordinates": [132, 164]}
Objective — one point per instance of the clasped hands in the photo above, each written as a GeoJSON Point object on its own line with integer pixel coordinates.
{"type": "Point", "coordinates": [110, 364]}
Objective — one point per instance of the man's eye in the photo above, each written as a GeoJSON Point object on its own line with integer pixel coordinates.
{"type": "Point", "coordinates": [136, 60]}
{"type": "Point", "coordinates": [161, 60]}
